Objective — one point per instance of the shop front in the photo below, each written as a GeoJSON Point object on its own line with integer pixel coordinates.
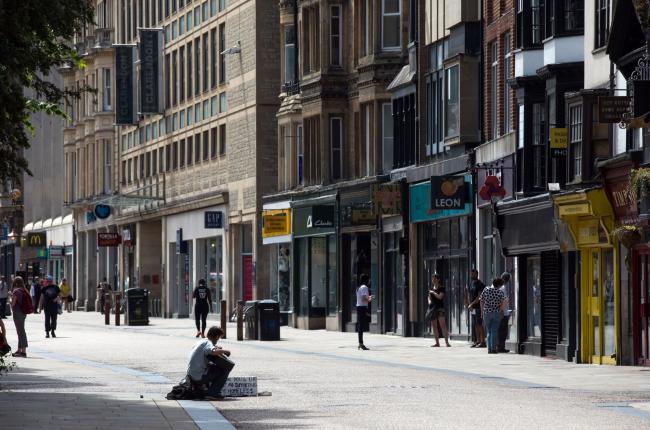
{"type": "Point", "coordinates": [195, 250]}
{"type": "Point", "coordinates": [542, 320]}
{"type": "Point", "coordinates": [590, 219]}
{"type": "Point", "coordinates": [315, 280]}
{"type": "Point", "coordinates": [443, 247]}
{"type": "Point", "coordinates": [276, 233]}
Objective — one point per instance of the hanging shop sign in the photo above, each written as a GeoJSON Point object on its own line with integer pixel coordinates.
{"type": "Point", "coordinates": [492, 190]}
{"type": "Point", "coordinates": [41, 253]}
{"type": "Point", "coordinates": [36, 240]}
{"type": "Point", "coordinates": [212, 219]}
{"type": "Point", "coordinates": [387, 199]}
{"type": "Point", "coordinates": [108, 239]}
{"type": "Point", "coordinates": [102, 211]}
{"type": "Point", "coordinates": [150, 70]}
{"type": "Point", "coordinates": [276, 222]}
{"type": "Point", "coordinates": [448, 192]}
{"type": "Point", "coordinates": [181, 245]}
{"type": "Point", "coordinates": [612, 109]}
{"type": "Point", "coordinates": [558, 142]}
{"type": "Point", "coordinates": [420, 208]}
{"type": "Point", "coordinates": [124, 113]}
{"type": "Point", "coordinates": [126, 237]}
{"type": "Point", "coordinates": [90, 217]}
{"type": "Point", "coordinates": [57, 251]}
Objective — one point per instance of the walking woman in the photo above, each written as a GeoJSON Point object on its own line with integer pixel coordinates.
{"type": "Point", "coordinates": [363, 313]}
{"type": "Point", "coordinates": [202, 304]}
{"type": "Point", "coordinates": [436, 299]}
{"type": "Point", "coordinates": [21, 305]}
{"type": "Point", "coordinates": [493, 302]}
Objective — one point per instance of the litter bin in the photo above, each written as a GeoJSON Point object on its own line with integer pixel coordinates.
{"type": "Point", "coordinates": [268, 312]}
{"type": "Point", "coordinates": [250, 320]}
{"type": "Point", "coordinates": [137, 306]}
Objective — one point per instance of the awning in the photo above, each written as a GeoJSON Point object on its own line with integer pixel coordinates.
{"type": "Point", "coordinates": [57, 221]}
{"type": "Point", "coordinates": [588, 214]}
{"type": "Point", "coordinates": [47, 223]}
{"type": "Point", "coordinates": [625, 38]}
{"type": "Point", "coordinates": [38, 225]}
{"type": "Point", "coordinates": [68, 219]}
{"type": "Point", "coordinates": [28, 227]}
{"type": "Point", "coordinates": [403, 78]}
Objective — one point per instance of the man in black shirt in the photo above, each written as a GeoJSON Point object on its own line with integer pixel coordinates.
{"type": "Point", "coordinates": [50, 305]}
{"type": "Point", "coordinates": [474, 290]}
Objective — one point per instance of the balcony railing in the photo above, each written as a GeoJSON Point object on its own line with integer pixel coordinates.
{"type": "Point", "coordinates": [104, 37]}
{"type": "Point", "coordinates": [291, 88]}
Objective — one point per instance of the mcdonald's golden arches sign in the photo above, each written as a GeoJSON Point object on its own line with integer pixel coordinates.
{"type": "Point", "coordinates": [36, 239]}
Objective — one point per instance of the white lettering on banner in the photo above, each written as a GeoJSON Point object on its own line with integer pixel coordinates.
{"type": "Point", "coordinates": [322, 223]}
{"type": "Point", "coordinates": [240, 386]}
{"type": "Point", "coordinates": [448, 203]}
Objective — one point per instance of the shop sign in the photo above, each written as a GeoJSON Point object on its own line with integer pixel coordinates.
{"type": "Point", "coordinates": [69, 250]}
{"type": "Point", "coordinates": [625, 207]}
{"type": "Point", "coordinates": [124, 85]}
{"type": "Point", "coordinates": [321, 217]}
{"type": "Point", "coordinates": [108, 239]}
{"type": "Point", "coordinates": [577, 209]}
{"type": "Point", "coordinates": [276, 222]}
{"type": "Point", "coordinates": [41, 253]}
{"type": "Point", "coordinates": [363, 216]}
{"type": "Point", "coordinates": [612, 109]}
{"type": "Point", "coordinates": [56, 251]}
{"type": "Point", "coordinates": [558, 142]}
{"type": "Point", "coordinates": [213, 219]}
{"type": "Point", "coordinates": [492, 189]}
{"type": "Point", "coordinates": [420, 209]}
{"type": "Point", "coordinates": [590, 232]}
{"type": "Point", "coordinates": [316, 220]}
{"type": "Point", "coordinates": [448, 192]}
{"type": "Point", "coordinates": [149, 71]}
{"type": "Point", "coordinates": [36, 239]}
{"type": "Point", "coordinates": [102, 211]}
{"type": "Point", "coordinates": [126, 237]}
{"type": "Point", "coordinates": [387, 199]}
{"type": "Point", "coordinates": [90, 217]}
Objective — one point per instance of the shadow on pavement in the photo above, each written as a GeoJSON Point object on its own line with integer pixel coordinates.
{"type": "Point", "coordinates": [264, 418]}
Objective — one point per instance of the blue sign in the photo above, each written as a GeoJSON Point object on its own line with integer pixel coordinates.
{"type": "Point", "coordinates": [90, 217]}
{"type": "Point", "coordinates": [4, 232]}
{"type": "Point", "coordinates": [102, 211]}
{"type": "Point", "coordinates": [181, 245]}
{"type": "Point", "coordinates": [213, 219]}
{"type": "Point", "coordinates": [420, 203]}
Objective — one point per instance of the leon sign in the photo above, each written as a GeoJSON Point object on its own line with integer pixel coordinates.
{"type": "Point", "coordinates": [448, 192]}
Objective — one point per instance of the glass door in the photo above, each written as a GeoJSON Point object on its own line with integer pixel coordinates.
{"type": "Point", "coordinates": [601, 311]}
{"type": "Point", "coordinates": [644, 319]}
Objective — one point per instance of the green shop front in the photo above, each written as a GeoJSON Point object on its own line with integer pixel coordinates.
{"type": "Point", "coordinates": [315, 264]}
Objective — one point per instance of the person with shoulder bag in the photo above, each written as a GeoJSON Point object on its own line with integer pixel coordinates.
{"type": "Point", "coordinates": [21, 306]}
{"type": "Point", "coordinates": [436, 310]}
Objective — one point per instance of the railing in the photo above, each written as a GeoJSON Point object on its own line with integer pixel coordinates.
{"type": "Point", "coordinates": [291, 88]}
{"type": "Point", "coordinates": [104, 37]}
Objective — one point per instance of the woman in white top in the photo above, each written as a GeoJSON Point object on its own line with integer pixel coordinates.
{"type": "Point", "coordinates": [363, 316]}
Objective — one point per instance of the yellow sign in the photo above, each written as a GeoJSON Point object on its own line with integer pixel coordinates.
{"type": "Point", "coordinates": [588, 232]}
{"type": "Point", "coordinates": [387, 199]}
{"type": "Point", "coordinates": [276, 222]}
{"type": "Point", "coordinates": [558, 138]}
{"type": "Point", "coordinates": [577, 209]}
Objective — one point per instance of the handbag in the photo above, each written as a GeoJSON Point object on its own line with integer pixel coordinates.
{"type": "Point", "coordinates": [4, 346]}
{"type": "Point", "coordinates": [429, 315]}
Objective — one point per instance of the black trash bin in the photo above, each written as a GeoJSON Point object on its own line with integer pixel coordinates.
{"type": "Point", "coordinates": [250, 320]}
{"type": "Point", "coordinates": [137, 306]}
{"type": "Point", "coordinates": [268, 319]}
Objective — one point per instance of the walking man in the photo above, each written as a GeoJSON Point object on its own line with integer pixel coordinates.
{"type": "Point", "coordinates": [4, 294]}
{"type": "Point", "coordinates": [474, 290]}
{"type": "Point", "coordinates": [50, 305]}
{"type": "Point", "coordinates": [504, 326]}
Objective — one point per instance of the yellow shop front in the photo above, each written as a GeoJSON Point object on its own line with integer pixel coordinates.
{"type": "Point", "coordinates": [590, 219]}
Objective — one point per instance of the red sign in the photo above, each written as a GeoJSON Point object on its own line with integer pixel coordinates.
{"type": "Point", "coordinates": [108, 239]}
{"type": "Point", "coordinates": [617, 183]}
{"type": "Point", "coordinates": [492, 188]}
{"type": "Point", "coordinates": [247, 275]}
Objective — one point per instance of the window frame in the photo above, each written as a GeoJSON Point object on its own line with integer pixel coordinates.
{"type": "Point", "coordinates": [336, 153]}
{"type": "Point", "coordinates": [107, 104]}
{"type": "Point", "coordinates": [384, 15]}
{"type": "Point", "coordinates": [336, 40]}
{"type": "Point", "coordinates": [576, 140]}
{"type": "Point", "coordinates": [447, 85]}
{"type": "Point", "coordinates": [601, 23]}
{"type": "Point", "coordinates": [300, 156]}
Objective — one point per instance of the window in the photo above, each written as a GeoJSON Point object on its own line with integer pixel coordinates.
{"type": "Point", "coordinates": [190, 149]}
{"type": "Point", "coordinates": [507, 74]}
{"type": "Point", "coordinates": [174, 29]}
{"type": "Point", "coordinates": [161, 160]}
{"type": "Point", "coordinates": [204, 9]}
{"type": "Point", "coordinates": [452, 108]}
{"type": "Point", "coordinates": [335, 36]}
{"type": "Point", "coordinates": [214, 53]}
{"type": "Point", "coordinates": [190, 115]}
{"type": "Point", "coordinates": [181, 78]}
{"type": "Point", "coordinates": [124, 169]}
{"type": "Point", "coordinates": [364, 28]}
{"type": "Point", "coordinates": [175, 78]}
{"type": "Point", "coordinates": [197, 66]}
{"type": "Point", "coordinates": [299, 156]}
{"type": "Point", "coordinates": [197, 112]}
{"type": "Point", "coordinates": [289, 54]}
{"type": "Point", "coordinates": [106, 99]}
{"type": "Point", "coordinates": [213, 142]}
{"type": "Point", "coordinates": [222, 57]}
{"type": "Point", "coordinates": [601, 23]}
{"type": "Point", "coordinates": [108, 156]}
{"type": "Point", "coordinates": [390, 24]}
{"type": "Point", "coordinates": [168, 79]}
{"type": "Point", "coordinates": [222, 5]}
{"type": "Point", "coordinates": [175, 155]}
{"type": "Point", "coordinates": [387, 136]}
{"type": "Point", "coordinates": [222, 139]}
{"type": "Point", "coordinates": [575, 140]}
{"type": "Point", "coordinates": [181, 116]}
{"type": "Point", "coordinates": [147, 166]}
{"type": "Point", "coordinates": [175, 122]}
{"type": "Point", "coordinates": [222, 102]}
{"type": "Point", "coordinates": [197, 16]}
{"type": "Point", "coordinates": [206, 109]}
{"type": "Point", "coordinates": [213, 106]}
{"type": "Point", "coordinates": [366, 141]}
{"type": "Point", "coordinates": [129, 171]}
{"type": "Point", "coordinates": [168, 157]}
{"type": "Point", "coordinates": [206, 65]}
{"type": "Point", "coordinates": [189, 20]}
{"type": "Point", "coordinates": [182, 153]}
{"type": "Point", "coordinates": [181, 25]}
{"type": "Point", "coordinates": [154, 162]}
{"type": "Point", "coordinates": [213, 7]}
{"type": "Point", "coordinates": [574, 14]}
{"type": "Point", "coordinates": [494, 84]}
{"type": "Point", "coordinates": [197, 148]}
{"type": "Point", "coordinates": [336, 146]}
{"type": "Point", "coordinates": [539, 145]}
{"type": "Point", "coordinates": [435, 101]}
{"type": "Point", "coordinates": [206, 145]}
{"type": "Point", "coordinates": [311, 41]}
{"type": "Point", "coordinates": [189, 71]}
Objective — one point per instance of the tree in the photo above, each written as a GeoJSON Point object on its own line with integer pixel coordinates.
{"type": "Point", "coordinates": [36, 37]}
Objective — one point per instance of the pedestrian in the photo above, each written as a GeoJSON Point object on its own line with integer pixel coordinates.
{"type": "Point", "coordinates": [4, 295]}
{"type": "Point", "coordinates": [492, 305]}
{"type": "Point", "coordinates": [21, 306]}
{"type": "Point", "coordinates": [202, 304]}
{"type": "Point", "coordinates": [104, 291]}
{"type": "Point", "coordinates": [474, 290]}
{"type": "Point", "coordinates": [209, 365]}
{"type": "Point", "coordinates": [363, 313]}
{"type": "Point", "coordinates": [436, 310]}
{"type": "Point", "coordinates": [65, 295]}
{"type": "Point", "coordinates": [50, 305]}
{"type": "Point", "coordinates": [35, 292]}
{"type": "Point", "coordinates": [504, 325]}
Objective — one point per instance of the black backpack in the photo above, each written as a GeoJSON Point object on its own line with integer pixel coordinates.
{"type": "Point", "coordinates": [50, 293]}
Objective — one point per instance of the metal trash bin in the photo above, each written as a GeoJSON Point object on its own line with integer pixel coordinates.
{"type": "Point", "coordinates": [268, 319]}
{"type": "Point", "coordinates": [250, 320]}
{"type": "Point", "coordinates": [137, 306]}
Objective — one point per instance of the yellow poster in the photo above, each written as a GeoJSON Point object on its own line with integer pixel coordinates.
{"type": "Point", "coordinates": [276, 222]}
{"type": "Point", "coordinates": [558, 138]}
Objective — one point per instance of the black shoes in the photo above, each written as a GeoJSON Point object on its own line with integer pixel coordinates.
{"type": "Point", "coordinates": [47, 334]}
{"type": "Point", "coordinates": [504, 351]}
{"type": "Point", "coordinates": [363, 347]}
{"type": "Point", "coordinates": [53, 335]}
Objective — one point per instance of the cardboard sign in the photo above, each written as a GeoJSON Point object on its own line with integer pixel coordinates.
{"type": "Point", "coordinates": [240, 386]}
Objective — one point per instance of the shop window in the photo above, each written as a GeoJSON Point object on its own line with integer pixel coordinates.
{"type": "Point", "coordinates": [284, 293]}
{"type": "Point", "coordinates": [539, 145]}
{"type": "Point", "coordinates": [336, 148]}
{"type": "Point", "coordinates": [443, 234]}
{"type": "Point", "coordinates": [601, 24]}
{"type": "Point", "coordinates": [302, 249]}
{"type": "Point", "coordinates": [332, 280]}
{"type": "Point", "coordinates": [452, 106]}
{"type": "Point", "coordinates": [575, 141]}
{"type": "Point", "coordinates": [335, 36]}
{"type": "Point", "coordinates": [390, 25]}
{"type": "Point", "coordinates": [534, 296]}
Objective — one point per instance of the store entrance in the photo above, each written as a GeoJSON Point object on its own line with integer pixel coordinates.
{"type": "Point", "coordinates": [642, 331]}
{"type": "Point", "coordinates": [357, 254]}
{"type": "Point", "coordinates": [599, 306]}
{"type": "Point", "coordinates": [393, 286]}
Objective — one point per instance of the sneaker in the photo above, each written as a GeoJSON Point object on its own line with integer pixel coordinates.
{"type": "Point", "coordinates": [482, 345]}
{"type": "Point", "coordinates": [474, 345]}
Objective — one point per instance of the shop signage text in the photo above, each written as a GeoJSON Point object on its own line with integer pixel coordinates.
{"type": "Point", "coordinates": [56, 251]}
{"type": "Point", "coordinates": [313, 220]}
{"type": "Point", "coordinates": [108, 239]}
{"type": "Point", "coordinates": [611, 109]}
{"type": "Point", "coordinates": [558, 142]}
{"type": "Point", "coordinates": [36, 239]}
{"type": "Point", "coordinates": [149, 71]}
{"type": "Point", "coordinates": [213, 219]}
{"type": "Point", "coordinates": [420, 208]}
{"type": "Point", "coordinates": [387, 199]}
{"type": "Point", "coordinates": [321, 217]}
{"type": "Point", "coordinates": [448, 192]}
{"type": "Point", "coordinates": [124, 84]}
{"type": "Point", "coordinates": [276, 222]}
{"type": "Point", "coordinates": [577, 209]}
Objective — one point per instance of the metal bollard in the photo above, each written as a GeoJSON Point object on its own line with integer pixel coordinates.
{"type": "Point", "coordinates": [224, 318]}
{"type": "Point", "coordinates": [118, 298]}
{"type": "Point", "coordinates": [107, 309]}
{"type": "Point", "coordinates": [240, 320]}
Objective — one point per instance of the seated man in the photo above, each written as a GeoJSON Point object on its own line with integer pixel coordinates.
{"type": "Point", "coordinates": [209, 365]}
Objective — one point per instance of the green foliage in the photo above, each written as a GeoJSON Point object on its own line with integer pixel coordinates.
{"type": "Point", "coordinates": [643, 12]}
{"type": "Point", "coordinates": [5, 365]}
{"type": "Point", "coordinates": [640, 183]}
{"type": "Point", "coordinates": [36, 37]}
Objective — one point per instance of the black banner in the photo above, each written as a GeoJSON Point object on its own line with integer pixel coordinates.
{"type": "Point", "coordinates": [124, 85]}
{"type": "Point", "coordinates": [149, 71]}
{"type": "Point", "coordinates": [448, 192]}
{"type": "Point", "coordinates": [36, 240]}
